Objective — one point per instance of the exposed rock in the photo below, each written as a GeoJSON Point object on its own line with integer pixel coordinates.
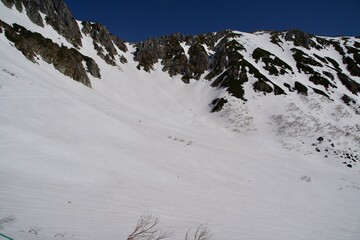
{"type": "Point", "coordinates": [329, 75]}
{"type": "Point", "coordinates": [199, 60]}
{"type": "Point", "coordinates": [300, 88]}
{"type": "Point", "coordinates": [302, 39]}
{"type": "Point", "coordinates": [66, 61]}
{"type": "Point", "coordinates": [169, 50]}
{"type": "Point", "coordinates": [122, 59]}
{"type": "Point", "coordinates": [278, 90]}
{"type": "Point", "coordinates": [220, 56]}
{"type": "Point", "coordinates": [102, 38]}
{"type": "Point", "coordinates": [227, 56]}
{"type": "Point", "coordinates": [275, 38]}
{"type": "Point", "coordinates": [57, 15]}
{"type": "Point", "coordinates": [148, 53]}
{"type": "Point", "coordinates": [352, 66]}
{"type": "Point", "coordinates": [303, 61]}
{"type": "Point", "coordinates": [288, 87]}
{"type": "Point", "coordinates": [233, 79]}
{"type": "Point", "coordinates": [318, 91]}
{"type": "Point", "coordinates": [338, 47]}
{"type": "Point", "coordinates": [355, 51]}
{"type": "Point", "coordinates": [334, 63]}
{"type": "Point", "coordinates": [350, 84]}
{"type": "Point", "coordinates": [118, 42]}
{"type": "Point", "coordinates": [262, 86]}
{"type": "Point", "coordinates": [323, 60]}
{"type": "Point", "coordinates": [272, 62]}
{"type": "Point", "coordinates": [218, 104]}
{"type": "Point", "coordinates": [8, 3]}
{"type": "Point", "coordinates": [348, 100]}
{"type": "Point", "coordinates": [92, 67]}
{"type": "Point", "coordinates": [317, 79]}
{"type": "Point", "coordinates": [174, 59]}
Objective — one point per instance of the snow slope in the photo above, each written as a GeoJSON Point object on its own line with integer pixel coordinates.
{"type": "Point", "coordinates": [88, 162]}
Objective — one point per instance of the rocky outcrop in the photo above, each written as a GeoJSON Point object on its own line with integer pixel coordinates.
{"type": "Point", "coordinates": [57, 15]}
{"type": "Point", "coordinates": [262, 86]}
{"type": "Point", "coordinates": [273, 64]}
{"type": "Point", "coordinates": [299, 39]}
{"type": "Point", "coordinates": [221, 57]}
{"type": "Point", "coordinates": [148, 53]}
{"type": "Point", "coordinates": [199, 60]}
{"type": "Point", "coordinates": [349, 83]}
{"type": "Point", "coordinates": [169, 50]}
{"type": "Point", "coordinates": [228, 67]}
{"type": "Point", "coordinates": [174, 59]}
{"type": "Point", "coordinates": [104, 42]}
{"type": "Point", "coordinates": [300, 88]}
{"type": "Point", "coordinates": [231, 70]}
{"type": "Point", "coordinates": [65, 60]}
{"type": "Point", "coordinates": [218, 104]}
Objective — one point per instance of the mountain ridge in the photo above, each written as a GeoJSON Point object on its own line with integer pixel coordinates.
{"type": "Point", "coordinates": [256, 135]}
{"type": "Point", "coordinates": [272, 61]}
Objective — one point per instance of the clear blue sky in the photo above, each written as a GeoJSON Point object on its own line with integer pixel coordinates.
{"type": "Point", "coordinates": [134, 21]}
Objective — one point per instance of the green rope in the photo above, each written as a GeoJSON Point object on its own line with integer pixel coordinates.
{"type": "Point", "coordinates": [6, 236]}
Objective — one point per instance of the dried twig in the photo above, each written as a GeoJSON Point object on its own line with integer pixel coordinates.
{"type": "Point", "coordinates": [201, 233]}
{"type": "Point", "coordinates": [6, 220]}
{"type": "Point", "coordinates": [146, 229]}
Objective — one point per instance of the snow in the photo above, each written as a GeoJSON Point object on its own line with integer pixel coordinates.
{"type": "Point", "coordinates": [11, 16]}
{"type": "Point", "coordinates": [88, 162]}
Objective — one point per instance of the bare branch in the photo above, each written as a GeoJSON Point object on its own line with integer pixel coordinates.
{"type": "Point", "coordinates": [146, 229]}
{"type": "Point", "coordinates": [201, 233]}
{"type": "Point", "coordinates": [34, 230]}
{"type": "Point", "coordinates": [60, 235]}
{"type": "Point", "coordinates": [6, 220]}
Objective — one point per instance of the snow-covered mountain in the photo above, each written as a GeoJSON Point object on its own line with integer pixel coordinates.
{"type": "Point", "coordinates": [256, 135]}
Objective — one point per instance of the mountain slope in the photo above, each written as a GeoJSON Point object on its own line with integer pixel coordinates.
{"type": "Point", "coordinates": [267, 163]}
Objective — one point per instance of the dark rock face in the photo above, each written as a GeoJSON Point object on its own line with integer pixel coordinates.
{"type": "Point", "coordinates": [304, 61]}
{"type": "Point", "coordinates": [348, 100]}
{"type": "Point", "coordinates": [350, 84]}
{"type": "Point", "coordinates": [318, 91]}
{"type": "Point", "coordinates": [317, 79]}
{"type": "Point", "coordinates": [299, 38]}
{"type": "Point", "coordinates": [262, 86]}
{"type": "Point", "coordinates": [352, 66]}
{"type": "Point", "coordinates": [199, 60]}
{"type": "Point", "coordinates": [218, 104]}
{"type": "Point", "coordinates": [351, 102]}
{"type": "Point", "coordinates": [232, 69]}
{"type": "Point", "coordinates": [148, 53]}
{"type": "Point", "coordinates": [273, 64]}
{"type": "Point", "coordinates": [58, 16]}
{"type": "Point", "coordinates": [226, 65]}
{"type": "Point", "coordinates": [92, 67]}
{"type": "Point", "coordinates": [171, 53]}
{"type": "Point", "coordinates": [300, 88]}
{"type": "Point", "coordinates": [174, 59]}
{"type": "Point", "coordinates": [103, 39]}
{"type": "Point", "coordinates": [302, 39]}
{"type": "Point", "coordinates": [66, 61]}
{"type": "Point", "coordinates": [227, 57]}
{"type": "Point", "coordinates": [233, 79]}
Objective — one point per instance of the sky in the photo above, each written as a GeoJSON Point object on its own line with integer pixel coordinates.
{"type": "Point", "coordinates": [134, 21]}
